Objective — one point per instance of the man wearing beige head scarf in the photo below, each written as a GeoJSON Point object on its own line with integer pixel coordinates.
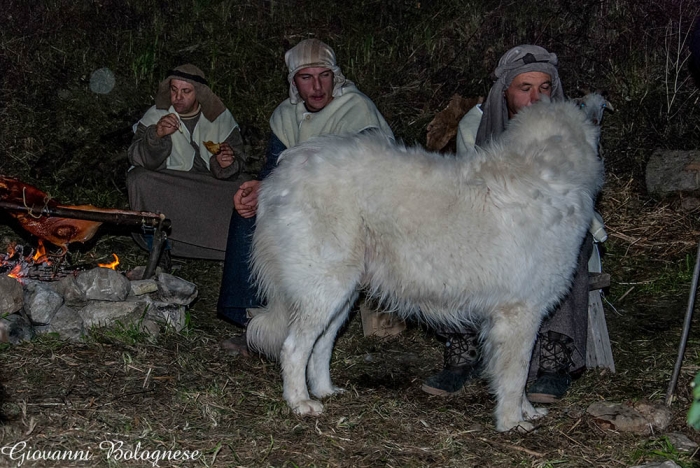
{"type": "Point", "coordinates": [321, 101]}
{"type": "Point", "coordinates": [173, 171]}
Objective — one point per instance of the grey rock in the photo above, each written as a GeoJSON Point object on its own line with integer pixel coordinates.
{"type": "Point", "coordinates": [106, 313]}
{"type": "Point", "coordinates": [673, 172]}
{"type": "Point", "coordinates": [658, 415]}
{"type": "Point", "coordinates": [11, 295]}
{"type": "Point", "coordinates": [141, 287]}
{"type": "Point", "coordinates": [150, 327]}
{"type": "Point", "coordinates": [18, 328]}
{"type": "Point", "coordinates": [173, 315]}
{"type": "Point", "coordinates": [68, 324]}
{"type": "Point", "coordinates": [690, 203]}
{"type": "Point", "coordinates": [643, 418]}
{"type": "Point", "coordinates": [175, 290]}
{"type": "Point", "coordinates": [681, 442]}
{"type": "Point", "coordinates": [73, 296]}
{"type": "Point", "coordinates": [137, 273]}
{"type": "Point", "coordinates": [663, 464]}
{"type": "Point", "coordinates": [104, 284]}
{"type": "Point", "coordinates": [619, 417]}
{"type": "Point", "coordinates": [41, 302]}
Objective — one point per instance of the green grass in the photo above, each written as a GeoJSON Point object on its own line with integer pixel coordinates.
{"type": "Point", "coordinates": [662, 449]}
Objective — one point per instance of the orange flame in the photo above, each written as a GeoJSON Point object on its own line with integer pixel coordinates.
{"type": "Point", "coordinates": [111, 265]}
{"type": "Point", "coordinates": [40, 254]}
{"type": "Point", "coordinates": [11, 249]}
{"type": "Point", "coordinates": [15, 273]}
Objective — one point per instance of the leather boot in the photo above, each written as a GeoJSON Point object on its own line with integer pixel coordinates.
{"type": "Point", "coordinates": [554, 372]}
{"type": "Point", "coordinates": [462, 364]}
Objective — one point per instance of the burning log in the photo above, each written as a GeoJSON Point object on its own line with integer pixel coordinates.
{"type": "Point", "coordinates": [47, 219]}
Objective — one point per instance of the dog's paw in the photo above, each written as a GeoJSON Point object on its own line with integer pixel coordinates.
{"type": "Point", "coordinates": [520, 426]}
{"type": "Point", "coordinates": [327, 391]}
{"type": "Point", "coordinates": [534, 413]}
{"type": "Point", "coordinates": [308, 408]}
{"type": "Point", "coordinates": [524, 427]}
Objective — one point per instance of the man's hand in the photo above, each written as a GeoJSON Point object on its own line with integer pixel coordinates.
{"type": "Point", "coordinates": [245, 201]}
{"type": "Point", "coordinates": [225, 157]}
{"type": "Point", "coordinates": [167, 125]}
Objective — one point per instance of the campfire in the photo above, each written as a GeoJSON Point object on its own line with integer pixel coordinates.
{"type": "Point", "coordinates": [49, 220]}
{"type": "Point", "coordinates": [42, 293]}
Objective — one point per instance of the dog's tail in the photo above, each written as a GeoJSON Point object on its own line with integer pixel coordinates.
{"type": "Point", "coordinates": [267, 331]}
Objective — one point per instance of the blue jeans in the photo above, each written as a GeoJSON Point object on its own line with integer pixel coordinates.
{"type": "Point", "coordinates": [238, 293]}
{"type": "Point", "coordinates": [237, 290]}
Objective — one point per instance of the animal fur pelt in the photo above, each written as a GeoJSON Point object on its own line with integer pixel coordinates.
{"type": "Point", "coordinates": [492, 236]}
{"type": "Point", "coordinates": [442, 130]}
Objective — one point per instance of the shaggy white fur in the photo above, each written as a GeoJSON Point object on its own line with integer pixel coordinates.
{"type": "Point", "coordinates": [492, 236]}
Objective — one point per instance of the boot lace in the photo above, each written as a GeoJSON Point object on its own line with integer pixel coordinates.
{"type": "Point", "coordinates": [462, 350]}
{"type": "Point", "coordinates": [556, 351]}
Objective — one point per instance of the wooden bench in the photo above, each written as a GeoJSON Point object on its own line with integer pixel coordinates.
{"type": "Point", "coordinates": [598, 349]}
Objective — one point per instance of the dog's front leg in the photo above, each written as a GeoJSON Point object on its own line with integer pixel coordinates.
{"type": "Point", "coordinates": [319, 373]}
{"type": "Point", "coordinates": [508, 346]}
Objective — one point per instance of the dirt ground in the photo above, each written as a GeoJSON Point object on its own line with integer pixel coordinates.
{"type": "Point", "coordinates": [182, 392]}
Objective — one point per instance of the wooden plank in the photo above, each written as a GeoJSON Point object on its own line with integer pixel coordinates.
{"type": "Point", "coordinates": [598, 349]}
{"type": "Point", "coordinates": [598, 281]}
{"type": "Point", "coordinates": [378, 323]}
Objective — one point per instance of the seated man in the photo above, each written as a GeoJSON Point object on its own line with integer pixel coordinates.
{"type": "Point", "coordinates": [174, 173]}
{"type": "Point", "coordinates": [321, 101]}
{"type": "Point", "coordinates": [523, 75]}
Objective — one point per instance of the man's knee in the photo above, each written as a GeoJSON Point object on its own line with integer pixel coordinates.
{"type": "Point", "coordinates": [136, 177]}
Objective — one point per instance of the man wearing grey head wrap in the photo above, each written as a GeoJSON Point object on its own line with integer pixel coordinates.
{"type": "Point", "coordinates": [524, 74]}
{"type": "Point", "coordinates": [321, 101]}
{"type": "Point", "coordinates": [173, 172]}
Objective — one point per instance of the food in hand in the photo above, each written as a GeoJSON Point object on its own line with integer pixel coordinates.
{"type": "Point", "coordinates": [214, 148]}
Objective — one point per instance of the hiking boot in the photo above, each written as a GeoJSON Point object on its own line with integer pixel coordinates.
{"type": "Point", "coordinates": [549, 388]}
{"type": "Point", "coordinates": [462, 364]}
{"type": "Point", "coordinates": [553, 375]}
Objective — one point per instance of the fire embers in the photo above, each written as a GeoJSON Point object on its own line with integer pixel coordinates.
{"type": "Point", "coordinates": [22, 261]}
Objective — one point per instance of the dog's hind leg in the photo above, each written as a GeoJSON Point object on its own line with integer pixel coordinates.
{"type": "Point", "coordinates": [318, 371]}
{"type": "Point", "coordinates": [312, 322]}
{"type": "Point", "coordinates": [509, 340]}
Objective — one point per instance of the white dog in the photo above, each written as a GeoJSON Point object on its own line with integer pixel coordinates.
{"type": "Point", "coordinates": [493, 236]}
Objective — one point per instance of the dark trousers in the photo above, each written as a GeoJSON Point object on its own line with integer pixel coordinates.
{"type": "Point", "coordinates": [237, 289]}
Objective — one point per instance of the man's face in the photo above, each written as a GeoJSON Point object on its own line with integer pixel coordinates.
{"type": "Point", "coordinates": [526, 89]}
{"type": "Point", "coordinates": [315, 87]}
{"type": "Point", "coordinates": [182, 96]}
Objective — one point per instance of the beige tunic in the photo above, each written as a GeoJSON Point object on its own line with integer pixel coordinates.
{"type": "Point", "coordinates": [350, 112]}
{"type": "Point", "coordinates": [198, 200]}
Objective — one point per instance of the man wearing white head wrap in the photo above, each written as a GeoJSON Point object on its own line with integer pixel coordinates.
{"type": "Point", "coordinates": [524, 74]}
{"type": "Point", "coordinates": [321, 101]}
{"type": "Point", "coordinates": [312, 53]}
